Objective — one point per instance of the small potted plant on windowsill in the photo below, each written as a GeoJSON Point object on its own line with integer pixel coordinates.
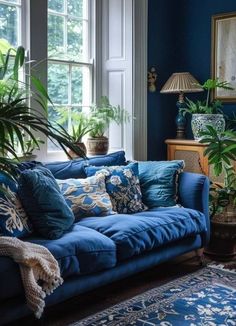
{"type": "Point", "coordinates": [102, 114]}
{"type": "Point", "coordinates": [28, 151]}
{"type": "Point", "coordinates": [206, 112]}
{"type": "Point", "coordinates": [80, 126]}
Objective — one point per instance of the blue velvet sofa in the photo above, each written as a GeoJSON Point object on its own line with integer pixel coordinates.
{"type": "Point", "coordinates": [98, 251]}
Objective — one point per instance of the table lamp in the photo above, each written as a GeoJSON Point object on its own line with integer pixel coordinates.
{"type": "Point", "coordinates": [180, 83]}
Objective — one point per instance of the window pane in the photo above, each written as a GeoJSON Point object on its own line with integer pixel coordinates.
{"type": "Point", "coordinates": [75, 38]}
{"type": "Point", "coordinates": [56, 5]}
{"type": "Point", "coordinates": [9, 24]}
{"type": "Point", "coordinates": [58, 83]}
{"type": "Point", "coordinates": [80, 81]}
{"type": "Point", "coordinates": [75, 8]}
{"type": "Point", "coordinates": [14, 1]}
{"type": "Point", "coordinates": [55, 34]}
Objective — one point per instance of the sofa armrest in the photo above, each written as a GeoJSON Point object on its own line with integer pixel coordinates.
{"type": "Point", "coordinates": [193, 192]}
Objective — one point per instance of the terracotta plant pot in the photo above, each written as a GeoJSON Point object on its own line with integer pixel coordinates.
{"type": "Point", "coordinates": [82, 146]}
{"type": "Point", "coordinates": [97, 146]}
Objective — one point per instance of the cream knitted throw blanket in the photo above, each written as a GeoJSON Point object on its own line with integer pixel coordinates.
{"type": "Point", "coordinates": [36, 264]}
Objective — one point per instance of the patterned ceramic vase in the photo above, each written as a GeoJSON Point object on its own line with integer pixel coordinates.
{"type": "Point", "coordinates": [199, 122]}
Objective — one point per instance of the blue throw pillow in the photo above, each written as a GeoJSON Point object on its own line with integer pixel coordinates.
{"type": "Point", "coordinates": [158, 182]}
{"type": "Point", "coordinates": [75, 168]}
{"type": "Point", "coordinates": [13, 219]}
{"type": "Point", "coordinates": [43, 202]}
{"type": "Point", "coordinates": [122, 184]}
{"type": "Point", "coordinates": [87, 197]}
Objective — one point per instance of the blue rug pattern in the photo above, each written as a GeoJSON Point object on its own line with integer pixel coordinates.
{"type": "Point", "coordinates": [206, 297]}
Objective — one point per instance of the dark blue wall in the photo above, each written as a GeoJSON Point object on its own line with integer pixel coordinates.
{"type": "Point", "coordinates": [179, 39]}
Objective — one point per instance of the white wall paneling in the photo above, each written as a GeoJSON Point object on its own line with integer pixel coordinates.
{"type": "Point", "coordinates": [117, 69]}
{"type": "Point", "coordinates": [123, 64]}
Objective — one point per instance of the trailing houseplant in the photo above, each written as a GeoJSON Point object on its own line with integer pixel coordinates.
{"type": "Point", "coordinates": [207, 112]}
{"type": "Point", "coordinates": [18, 119]}
{"type": "Point", "coordinates": [102, 114]}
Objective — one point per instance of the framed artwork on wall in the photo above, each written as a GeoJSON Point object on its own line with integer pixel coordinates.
{"type": "Point", "coordinates": [224, 54]}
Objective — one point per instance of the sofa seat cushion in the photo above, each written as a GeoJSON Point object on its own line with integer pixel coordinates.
{"type": "Point", "coordinates": [134, 234]}
{"type": "Point", "coordinates": [80, 251]}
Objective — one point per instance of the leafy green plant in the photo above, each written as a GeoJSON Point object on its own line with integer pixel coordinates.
{"type": "Point", "coordinates": [221, 152]}
{"type": "Point", "coordinates": [18, 119]}
{"type": "Point", "coordinates": [30, 146]}
{"type": "Point", "coordinates": [205, 106]}
{"type": "Point", "coordinates": [102, 114]}
{"type": "Point", "coordinates": [80, 124]}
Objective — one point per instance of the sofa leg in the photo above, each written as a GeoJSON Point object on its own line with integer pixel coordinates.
{"type": "Point", "coordinates": [200, 256]}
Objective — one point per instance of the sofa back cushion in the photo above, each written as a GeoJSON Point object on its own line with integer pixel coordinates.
{"type": "Point", "coordinates": [75, 168]}
{"type": "Point", "coordinates": [158, 180]}
{"type": "Point", "coordinates": [13, 219]}
{"type": "Point", "coordinates": [43, 202]}
{"type": "Point", "coordinates": [87, 197]}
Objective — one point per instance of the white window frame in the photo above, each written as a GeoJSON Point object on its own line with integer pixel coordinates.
{"type": "Point", "coordinates": [21, 11]}
{"type": "Point", "coordinates": [60, 155]}
{"type": "Point", "coordinates": [34, 16]}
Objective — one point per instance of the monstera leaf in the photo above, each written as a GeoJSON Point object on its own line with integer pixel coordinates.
{"type": "Point", "coordinates": [221, 148]}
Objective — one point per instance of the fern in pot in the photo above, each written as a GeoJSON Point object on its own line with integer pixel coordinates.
{"type": "Point", "coordinates": [102, 114]}
{"type": "Point", "coordinates": [207, 112]}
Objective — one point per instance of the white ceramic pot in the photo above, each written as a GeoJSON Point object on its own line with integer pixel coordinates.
{"type": "Point", "coordinates": [199, 122]}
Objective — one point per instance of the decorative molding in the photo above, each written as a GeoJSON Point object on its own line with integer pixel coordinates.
{"type": "Point", "coordinates": [98, 63]}
{"type": "Point", "coordinates": [115, 26]}
{"type": "Point", "coordinates": [140, 49]}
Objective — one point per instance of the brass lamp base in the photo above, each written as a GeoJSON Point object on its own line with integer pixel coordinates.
{"type": "Point", "coordinates": [180, 134]}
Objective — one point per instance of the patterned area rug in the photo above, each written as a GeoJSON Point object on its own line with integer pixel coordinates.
{"type": "Point", "coordinates": [206, 297]}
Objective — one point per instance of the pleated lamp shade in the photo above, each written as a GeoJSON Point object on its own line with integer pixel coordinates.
{"type": "Point", "coordinates": [181, 82]}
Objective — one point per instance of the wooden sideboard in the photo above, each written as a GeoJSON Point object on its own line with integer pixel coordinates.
{"type": "Point", "coordinates": [222, 245]}
{"type": "Point", "coordinates": [192, 152]}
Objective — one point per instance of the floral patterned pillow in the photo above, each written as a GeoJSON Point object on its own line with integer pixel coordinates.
{"type": "Point", "coordinates": [87, 197]}
{"type": "Point", "coordinates": [122, 184]}
{"type": "Point", "coordinates": [13, 219]}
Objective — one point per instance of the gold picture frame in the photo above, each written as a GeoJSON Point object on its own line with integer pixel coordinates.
{"type": "Point", "coordinates": [224, 54]}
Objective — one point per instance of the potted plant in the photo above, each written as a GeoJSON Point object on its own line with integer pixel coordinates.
{"type": "Point", "coordinates": [19, 120]}
{"type": "Point", "coordinates": [28, 151]}
{"type": "Point", "coordinates": [206, 112]}
{"type": "Point", "coordinates": [221, 152]}
{"type": "Point", "coordinates": [79, 127]}
{"type": "Point", "coordinates": [102, 114]}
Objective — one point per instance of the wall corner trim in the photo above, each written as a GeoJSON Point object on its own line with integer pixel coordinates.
{"type": "Point", "coordinates": [140, 46]}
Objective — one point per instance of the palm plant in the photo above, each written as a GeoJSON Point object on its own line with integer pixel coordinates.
{"type": "Point", "coordinates": [18, 120]}
{"type": "Point", "coordinates": [221, 151]}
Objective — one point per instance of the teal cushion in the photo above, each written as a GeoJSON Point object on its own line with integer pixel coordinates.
{"type": "Point", "coordinates": [158, 182]}
{"type": "Point", "coordinates": [43, 202]}
{"type": "Point", "coordinates": [87, 197]}
{"type": "Point", "coordinates": [122, 184]}
{"type": "Point", "coordinates": [13, 219]}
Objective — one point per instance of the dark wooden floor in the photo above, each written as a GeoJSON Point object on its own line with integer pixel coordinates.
{"type": "Point", "coordinates": [102, 298]}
